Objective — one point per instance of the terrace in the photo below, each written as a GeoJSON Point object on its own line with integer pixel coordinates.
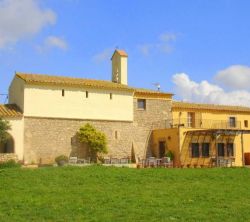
{"type": "Point", "coordinates": [206, 123]}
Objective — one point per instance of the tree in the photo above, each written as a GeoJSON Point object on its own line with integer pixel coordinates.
{"type": "Point", "coordinates": [4, 127]}
{"type": "Point", "coordinates": [94, 139]}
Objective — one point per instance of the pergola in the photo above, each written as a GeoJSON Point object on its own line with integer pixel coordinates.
{"type": "Point", "coordinates": [222, 132]}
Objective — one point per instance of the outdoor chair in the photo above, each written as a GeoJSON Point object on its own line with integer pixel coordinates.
{"type": "Point", "coordinates": [114, 161]}
{"type": "Point", "coordinates": [106, 160]}
{"type": "Point", "coordinates": [166, 162]}
{"type": "Point", "coordinates": [72, 160]}
{"type": "Point", "coordinates": [151, 162]}
{"type": "Point", "coordinates": [124, 161]}
{"type": "Point", "coordinates": [83, 161]}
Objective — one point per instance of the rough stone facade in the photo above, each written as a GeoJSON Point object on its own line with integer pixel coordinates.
{"type": "Point", "coordinates": [46, 138]}
{"type": "Point", "coordinates": [8, 156]}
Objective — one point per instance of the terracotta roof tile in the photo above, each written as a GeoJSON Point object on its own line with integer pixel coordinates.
{"type": "Point", "coordinates": [69, 81]}
{"type": "Point", "coordinates": [10, 110]}
{"type": "Point", "coordinates": [38, 79]}
{"type": "Point", "coordinates": [186, 105]}
{"type": "Point", "coordinates": [121, 52]}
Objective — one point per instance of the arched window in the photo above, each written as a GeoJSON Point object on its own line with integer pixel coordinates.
{"type": "Point", "coordinates": [8, 146]}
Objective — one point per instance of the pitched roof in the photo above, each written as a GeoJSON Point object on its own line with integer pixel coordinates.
{"type": "Point", "coordinates": [10, 110]}
{"type": "Point", "coordinates": [186, 105]}
{"type": "Point", "coordinates": [120, 52]}
{"type": "Point", "coordinates": [38, 79]}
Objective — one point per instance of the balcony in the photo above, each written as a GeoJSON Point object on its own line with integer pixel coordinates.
{"type": "Point", "coordinates": [206, 123]}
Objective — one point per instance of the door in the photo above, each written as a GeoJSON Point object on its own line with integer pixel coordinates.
{"type": "Point", "coordinates": [162, 146]}
{"type": "Point", "coordinates": [221, 150]}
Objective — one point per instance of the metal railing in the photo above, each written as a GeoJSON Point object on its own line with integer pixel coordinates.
{"type": "Point", "coordinates": [206, 123]}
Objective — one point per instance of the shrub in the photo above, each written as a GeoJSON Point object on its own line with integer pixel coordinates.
{"type": "Point", "coordinates": [61, 160]}
{"type": "Point", "coordinates": [94, 139]}
{"type": "Point", "coordinates": [4, 127]}
{"type": "Point", "coordinates": [9, 164]}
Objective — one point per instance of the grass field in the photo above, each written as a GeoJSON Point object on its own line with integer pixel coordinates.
{"type": "Point", "coordinates": [122, 194]}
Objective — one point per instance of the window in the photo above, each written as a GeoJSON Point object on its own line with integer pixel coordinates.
{"type": "Point", "coordinates": [221, 149]}
{"type": "Point", "coordinates": [195, 150]}
{"type": "Point", "coordinates": [232, 122]}
{"type": "Point", "coordinates": [110, 96]}
{"type": "Point", "coordinates": [190, 119]}
{"type": "Point", "coordinates": [205, 149]}
{"type": "Point", "coordinates": [62, 92]}
{"type": "Point", "coordinates": [141, 104]}
{"type": "Point", "coordinates": [116, 135]}
{"type": "Point", "coordinates": [246, 123]}
{"type": "Point", "coordinates": [230, 149]}
{"type": "Point", "coordinates": [87, 94]}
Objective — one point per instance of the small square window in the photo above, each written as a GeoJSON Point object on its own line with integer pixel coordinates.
{"type": "Point", "coordinates": [246, 123]}
{"type": "Point", "coordinates": [232, 122]}
{"type": "Point", "coordinates": [141, 104]}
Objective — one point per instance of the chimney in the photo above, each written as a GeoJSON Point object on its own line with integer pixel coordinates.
{"type": "Point", "coordinates": [119, 67]}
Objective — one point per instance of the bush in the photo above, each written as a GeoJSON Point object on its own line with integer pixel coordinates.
{"type": "Point", "coordinates": [9, 164]}
{"type": "Point", "coordinates": [4, 127]}
{"type": "Point", "coordinates": [61, 160]}
{"type": "Point", "coordinates": [94, 139]}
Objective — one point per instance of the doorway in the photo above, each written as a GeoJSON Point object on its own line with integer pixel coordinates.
{"type": "Point", "coordinates": [162, 148]}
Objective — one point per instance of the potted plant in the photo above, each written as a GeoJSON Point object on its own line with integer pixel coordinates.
{"type": "Point", "coordinates": [61, 160]}
{"type": "Point", "coordinates": [170, 155]}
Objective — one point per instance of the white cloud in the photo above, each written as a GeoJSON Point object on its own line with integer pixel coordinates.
{"type": "Point", "coordinates": [163, 45]}
{"type": "Point", "coordinates": [168, 36]}
{"type": "Point", "coordinates": [103, 55]}
{"type": "Point", "coordinates": [234, 77]}
{"type": "Point", "coordinates": [52, 42]}
{"type": "Point", "coordinates": [21, 19]}
{"type": "Point", "coordinates": [205, 92]}
{"type": "Point", "coordinates": [56, 42]}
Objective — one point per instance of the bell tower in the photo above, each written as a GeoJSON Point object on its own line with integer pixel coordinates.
{"type": "Point", "coordinates": [119, 67]}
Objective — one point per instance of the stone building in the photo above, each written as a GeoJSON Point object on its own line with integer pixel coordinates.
{"type": "Point", "coordinates": [47, 111]}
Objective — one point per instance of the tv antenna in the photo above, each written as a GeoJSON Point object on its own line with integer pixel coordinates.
{"type": "Point", "coordinates": [157, 85]}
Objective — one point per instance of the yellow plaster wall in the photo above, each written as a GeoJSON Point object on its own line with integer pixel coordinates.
{"type": "Point", "coordinates": [17, 132]}
{"type": "Point", "coordinates": [215, 116]}
{"type": "Point", "coordinates": [185, 141]}
{"type": "Point", "coordinates": [16, 93]}
{"type": "Point", "coordinates": [47, 101]}
{"type": "Point", "coordinates": [170, 136]}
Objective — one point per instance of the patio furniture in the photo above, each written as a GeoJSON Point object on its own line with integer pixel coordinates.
{"type": "Point", "coordinates": [167, 162]}
{"type": "Point", "coordinates": [151, 162]}
{"type": "Point", "coordinates": [72, 160]}
{"type": "Point", "coordinates": [124, 161]}
{"type": "Point", "coordinates": [158, 162]}
{"type": "Point", "coordinates": [83, 161]}
{"type": "Point", "coordinates": [114, 161]}
{"type": "Point", "coordinates": [106, 160]}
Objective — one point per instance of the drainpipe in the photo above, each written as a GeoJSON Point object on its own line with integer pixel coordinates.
{"type": "Point", "coordinates": [242, 149]}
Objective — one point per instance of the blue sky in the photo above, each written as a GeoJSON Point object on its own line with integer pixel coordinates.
{"type": "Point", "coordinates": [199, 50]}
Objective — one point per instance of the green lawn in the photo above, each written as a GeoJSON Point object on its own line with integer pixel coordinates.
{"type": "Point", "coordinates": [122, 194]}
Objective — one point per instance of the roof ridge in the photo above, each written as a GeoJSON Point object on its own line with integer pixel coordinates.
{"type": "Point", "coordinates": [244, 108]}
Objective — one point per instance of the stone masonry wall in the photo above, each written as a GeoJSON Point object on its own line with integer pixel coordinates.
{"type": "Point", "coordinates": [8, 156]}
{"type": "Point", "coordinates": [46, 138]}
